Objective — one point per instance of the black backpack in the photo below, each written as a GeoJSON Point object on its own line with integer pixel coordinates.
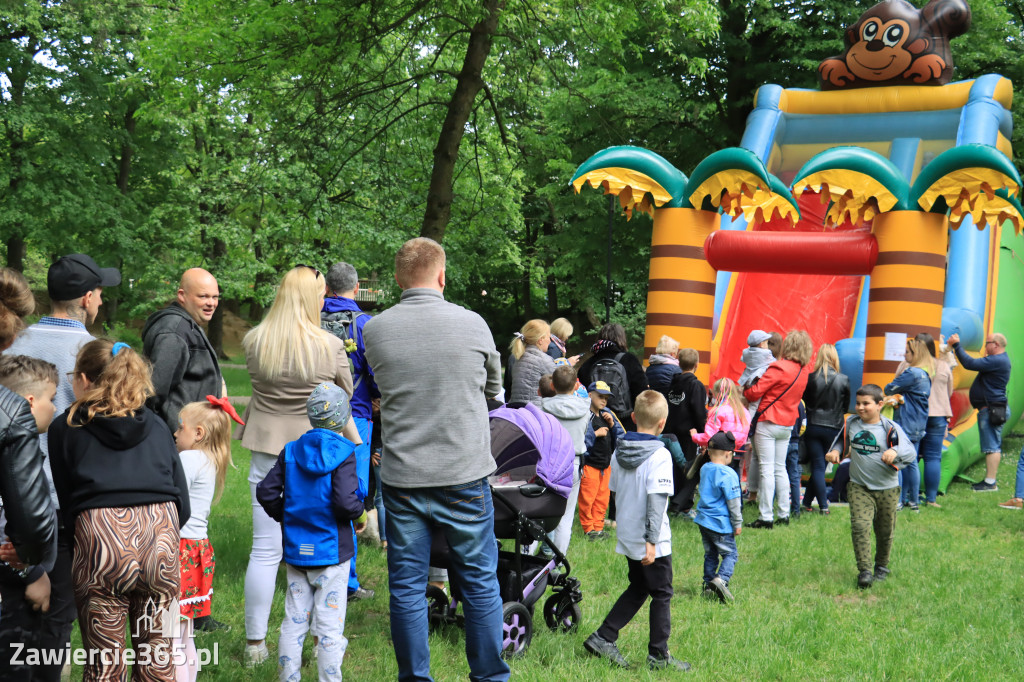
{"type": "Point", "coordinates": [611, 371]}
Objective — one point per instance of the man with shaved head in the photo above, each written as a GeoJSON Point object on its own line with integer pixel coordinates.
{"type": "Point", "coordinates": [185, 367]}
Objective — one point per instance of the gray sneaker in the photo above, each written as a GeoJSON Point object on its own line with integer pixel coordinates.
{"type": "Point", "coordinates": [881, 573]}
{"type": "Point", "coordinates": [361, 594]}
{"type": "Point", "coordinates": [602, 648]}
{"type": "Point", "coordinates": [668, 662]}
{"type": "Point", "coordinates": [721, 589]}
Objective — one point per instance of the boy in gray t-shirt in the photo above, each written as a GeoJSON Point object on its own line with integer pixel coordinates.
{"type": "Point", "coordinates": [878, 448]}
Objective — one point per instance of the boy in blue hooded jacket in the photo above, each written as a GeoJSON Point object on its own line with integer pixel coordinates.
{"type": "Point", "coordinates": [314, 491]}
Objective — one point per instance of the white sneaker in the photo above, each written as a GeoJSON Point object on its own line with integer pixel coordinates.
{"type": "Point", "coordinates": [256, 654]}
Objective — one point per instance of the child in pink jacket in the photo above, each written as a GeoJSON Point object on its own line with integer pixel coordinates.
{"type": "Point", "coordinates": [728, 414]}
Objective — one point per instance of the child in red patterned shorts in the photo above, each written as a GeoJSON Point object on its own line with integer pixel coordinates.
{"type": "Point", "coordinates": [204, 445]}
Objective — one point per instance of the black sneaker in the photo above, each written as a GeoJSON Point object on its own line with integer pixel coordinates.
{"type": "Point", "coordinates": [602, 648]}
{"type": "Point", "coordinates": [864, 580]}
{"type": "Point", "coordinates": [721, 589]}
{"type": "Point", "coordinates": [782, 521]}
{"type": "Point", "coordinates": [709, 592]}
{"type": "Point", "coordinates": [760, 524]}
{"type": "Point", "coordinates": [982, 487]}
{"type": "Point", "coordinates": [208, 624]}
{"type": "Point", "coordinates": [668, 662]}
{"type": "Point", "coordinates": [881, 573]}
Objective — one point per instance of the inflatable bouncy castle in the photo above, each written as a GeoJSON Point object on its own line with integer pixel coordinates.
{"type": "Point", "coordinates": [882, 205]}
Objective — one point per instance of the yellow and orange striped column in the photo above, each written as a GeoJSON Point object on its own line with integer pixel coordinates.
{"type": "Point", "coordinates": [907, 284]}
{"type": "Point", "coordinates": [681, 291]}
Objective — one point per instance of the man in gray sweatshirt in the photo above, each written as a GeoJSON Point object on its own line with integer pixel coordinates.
{"type": "Point", "coordinates": [435, 365]}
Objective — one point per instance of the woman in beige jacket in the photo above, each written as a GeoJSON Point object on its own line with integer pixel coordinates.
{"type": "Point", "coordinates": [287, 355]}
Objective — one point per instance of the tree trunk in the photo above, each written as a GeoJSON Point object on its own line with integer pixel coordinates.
{"type": "Point", "coordinates": [215, 331]}
{"type": "Point", "coordinates": [548, 230]}
{"type": "Point", "coordinates": [468, 84]}
{"type": "Point", "coordinates": [16, 252]}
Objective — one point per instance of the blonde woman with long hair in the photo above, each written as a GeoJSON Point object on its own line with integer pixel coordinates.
{"type": "Point", "coordinates": [826, 400]}
{"type": "Point", "coordinates": [939, 414]}
{"type": "Point", "coordinates": [530, 350]}
{"type": "Point", "coordinates": [287, 355]}
{"type": "Point", "coordinates": [915, 385]}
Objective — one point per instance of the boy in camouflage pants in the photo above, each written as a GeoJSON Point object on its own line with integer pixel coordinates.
{"type": "Point", "coordinates": [878, 448]}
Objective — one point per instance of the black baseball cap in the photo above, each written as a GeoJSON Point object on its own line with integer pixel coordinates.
{"type": "Point", "coordinates": [77, 274]}
{"type": "Point", "coordinates": [723, 440]}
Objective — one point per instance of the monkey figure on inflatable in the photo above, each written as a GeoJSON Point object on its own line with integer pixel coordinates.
{"type": "Point", "coordinates": [894, 43]}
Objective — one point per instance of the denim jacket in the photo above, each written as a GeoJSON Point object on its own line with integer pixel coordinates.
{"type": "Point", "coordinates": [916, 386]}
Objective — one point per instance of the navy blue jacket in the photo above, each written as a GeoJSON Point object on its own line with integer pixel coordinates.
{"type": "Point", "coordinates": [915, 385]}
{"type": "Point", "coordinates": [659, 376]}
{"type": "Point", "coordinates": [993, 375]}
{"type": "Point", "coordinates": [313, 491]}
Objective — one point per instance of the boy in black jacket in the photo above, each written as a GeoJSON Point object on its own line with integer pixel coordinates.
{"type": "Point", "coordinates": [687, 409]}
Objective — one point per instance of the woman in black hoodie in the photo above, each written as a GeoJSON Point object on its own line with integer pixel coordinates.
{"type": "Point", "coordinates": [122, 489]}
{"type": "Point", "coordinates": [611, 362]}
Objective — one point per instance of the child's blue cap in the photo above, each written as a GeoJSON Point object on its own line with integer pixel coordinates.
{"type": "Point", "coordinates": [599, 387]}
{"type": "Point", "coordinates": [757, 336]}
{"type": "Point", "coordinates": [328, 407]}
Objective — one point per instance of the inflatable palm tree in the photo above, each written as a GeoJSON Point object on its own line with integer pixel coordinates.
{"type": "Point", "coordinates": [911, 227]}
{"type": "Point", "coordinates": [681, 293]}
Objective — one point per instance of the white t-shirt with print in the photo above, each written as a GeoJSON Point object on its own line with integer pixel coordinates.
{"type": "Point", "coordinates": [631, 488]}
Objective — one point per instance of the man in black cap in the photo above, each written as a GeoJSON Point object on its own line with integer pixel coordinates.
{"type": "Point", "coordinates": [75, 285]}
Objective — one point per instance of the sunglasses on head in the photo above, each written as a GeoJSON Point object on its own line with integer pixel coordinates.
{"type": "Point", "coordinates": [303, 265]}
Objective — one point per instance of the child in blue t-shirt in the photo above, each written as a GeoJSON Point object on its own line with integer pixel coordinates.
{"type": "Point", "coordinates": [719, 516]}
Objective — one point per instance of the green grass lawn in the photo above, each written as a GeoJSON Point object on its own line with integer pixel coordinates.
{"type": "Point", "coordinates": [238, 381]}
{"type": "Point", "coordinates": [950, 610]}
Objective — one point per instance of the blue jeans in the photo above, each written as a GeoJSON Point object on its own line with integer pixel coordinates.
{"type": "Point", "coordinates": [365, 428]}
{"type": "Point", "coordinates": [990, 437]}
{"type": "Point", "coordinates": [465, 514]}
{"type": "Point", "coordinates": [910, 477]}
{"type": "Point", "coordinates": [931, 452]}
{"type": "Point", "coordinates": [1019, 487]}
{"type": "Point", "coordinates": [378, 504]}
{"type": "Point", "coordinates": [817, 440]}
{"type": "Point", "coordinates": [795, 470]}
{"type": "Point", "coordinates": [718, 545]}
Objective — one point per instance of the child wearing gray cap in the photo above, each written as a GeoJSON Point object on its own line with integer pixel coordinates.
{"type": "Point", "coordinates": [314, 492]}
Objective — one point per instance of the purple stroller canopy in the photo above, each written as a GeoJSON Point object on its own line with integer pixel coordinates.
{"type": "Point", "coordinates": [528, 436]}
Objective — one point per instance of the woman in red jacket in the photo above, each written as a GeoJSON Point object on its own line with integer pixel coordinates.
{"type": "Point", "coordinates": [779, 389]}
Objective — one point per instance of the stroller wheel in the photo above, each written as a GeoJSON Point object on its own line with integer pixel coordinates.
{"type": "Point", "coordinates": [561, 617]}
{"type": "Point", "coordinates": [517, 630]}
{"type": "Point", "coordinates": [437, 607]}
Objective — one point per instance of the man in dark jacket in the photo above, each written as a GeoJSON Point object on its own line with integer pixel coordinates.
{"type": "Point", "coordinates": [185, 367]}
{"type": "Point", "coordinates": [988, 393]}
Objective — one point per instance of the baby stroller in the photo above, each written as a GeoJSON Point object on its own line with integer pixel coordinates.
{"type": "Point", "coordinates": [535, 458]}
